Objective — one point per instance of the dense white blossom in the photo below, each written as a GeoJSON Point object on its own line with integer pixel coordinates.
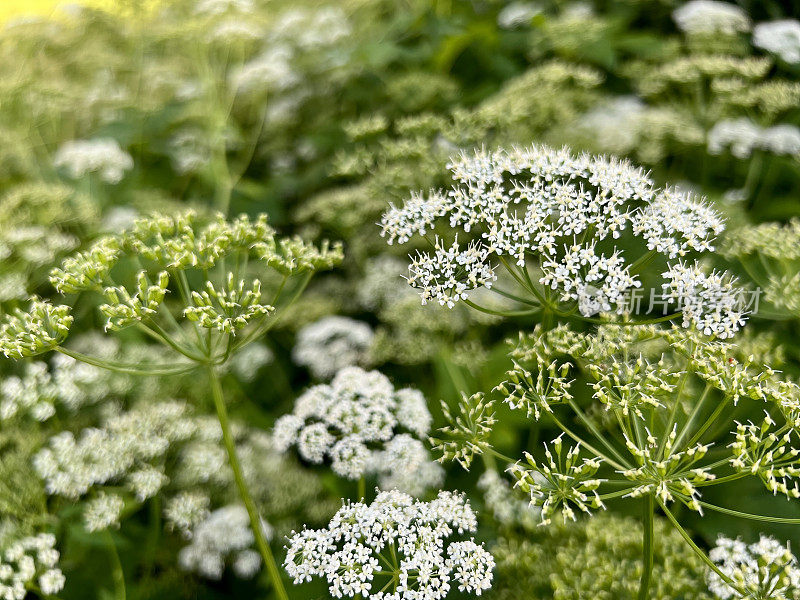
{"type": "Point", "coordinates": [356, 422]}
{"type": "Point", "coordinates": [779, 37]}
{"type": "Point", "coordinates": [351, 553]}
{"type": "Point", "coordinates": [101, 155]}
{"type": "Point", "coordinates": [742, 137]}
{"type": "Point", "coordinates": [30, 561]}
{"type": "Point", "coordinates": [540, 205]}
{"type": "Point", "coordinates": [224, 536]}
{"type": "Point", "coordinates": [765, 569]}
{"type": "Point", "coordinates": [103, 512]}
{"type": "Point", "coordinates": [708, 301]}
{"type": "Point", "coordinates": [450, 272]}
{"type": "Point", "coordinates": [332, 343]}
{"type": "Point", "coordinates": [711, 16]}
{"type": "Point", "coordinates": [517, 14]}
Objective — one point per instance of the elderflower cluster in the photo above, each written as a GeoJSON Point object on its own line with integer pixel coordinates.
{"type": "Point", "coordinates": [354, 423]}
{"type": "Point", "coordinates": [102, 156]}
{"type": "Point", "coordinates": [332, 343]}
{"type": "Point", "coordinates": [711, 16]}
{"type": "Point", "coordinates": [743, 136]}
{"type": "Point", "coordinates": [30, 561]}
{"type": "Point", "coordinates": [223, 536]}
{"type": "Point", "coordinates": [397, 538]}
{"type": "Point", "coordinates": [540, 205]}
{"type": "Point", "coordinates": [779, 37]}
{"type": "Point", "coordinates": [765, 569]}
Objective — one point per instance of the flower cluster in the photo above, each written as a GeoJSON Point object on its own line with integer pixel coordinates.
{"type": "Point", "coordinates": [743, 136]}
{"type": "Point", "coordinates": [30, 561]}
{"type": "Point", "coordinates": [779, 37]}
{"type": "Point", "coordinates": [560, 482]}
{"type": "Point", "coordinates": [767, 451]}
{"type": "Point", "coordinates": [397, 537]}
{"type": "Point", "coordinates": [223, 535]}
{"type": "Point", "coordinates": [353, 422]}
{"type": "Point", "coordinates": [228, 309]}
{"type": "Point", "coordinates": [332, 343]}
{"type": "Point", "coordinates": [548, 207]}
{"type": "Point", "coordinates": [710, 17]}
{"type": "Point", "coordinates": [102, 156]}
{"type": "Point", "coordinates": [765, 569]}
{"type": "Point", "coordinates": [36, 331]}
{"type": "Point", "coordinates": [467, 431]}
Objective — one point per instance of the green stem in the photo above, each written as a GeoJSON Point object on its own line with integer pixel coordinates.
{"type": "Point", "coordinates": [743, 515]}
{"type": "Point", "coordinates": [121, 368]}
{"type": "Point", "coordinates": [116, 567]}
{"type": "Point", "coordinates": [362, 489]}
{"type": "Point", "coordinates": [588, 446]}
{"type": "Point", "coordinates": [697, 549]}
{"type": "Point", "coordinates": [648, 509]}
{"type": "Point", "coordinates": [244, 491]}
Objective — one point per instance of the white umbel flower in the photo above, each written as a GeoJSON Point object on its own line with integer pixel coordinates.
{"type": "Point", "coordinates": [224, 536]}
{"type": "Point", "coordinates": [779, 37]}
{"type": "Point", "coordinates": [332, 343]}
{"type": "Point", "coordinates": [351, 553]}
{"type": "Point", "coordinates": [357, 422]}
{"type": "Point", "coordinates": [100, 155]}
{"type": "Point", "coordinates": [30, 561]}
{"type": "Point", "coordinates": [548, 208]}
{"type": "Point", "coordinates": [766, 569]}
{"type": "Point", "coordinates": [711, 16]}
{"type": "Point", "coordinates": [709, 301]}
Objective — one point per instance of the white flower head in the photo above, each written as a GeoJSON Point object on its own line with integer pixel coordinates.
{"type": "Point", "coordinates": [348, 552]}
{"type": "Point", "coordinates": [101, 155]}
{"type": "Point", "coordinates": [779, 37]}
{"type": "Point", "coordinates": [711, 16]}
{"type": "Point", "coordinates": [765, 569]}
{"type": "Point", "coordinates": [332, 343]}
{"type": "Point", "coordinates": [357, 423]}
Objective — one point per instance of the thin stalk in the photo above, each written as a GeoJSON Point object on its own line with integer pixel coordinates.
{"type": "Point", "coordinates": [117, 573]}
{"type": "Point", "coordinates": [588, 446]}
{"type": "Point", "coordinates": [596, 432]}
{"type": "Point", "coordinates": [499, 313]}
{"type": "Point", "coordinates": [241, 484]}
{"type": "Point", "coordinates": [122, 368]}
{"type": "Point", "coordinates": [648, 508]}
{"type": "Point", "coordinates": [696, 437]}
{"type": "Point", "coordinates": [687, 427]}
{"type": "Point", "coordinates": [697, 549]}
{"type": "Point", "coordinates": [744, 515]}
{"type": "Point", "coordinates": [362, 489]}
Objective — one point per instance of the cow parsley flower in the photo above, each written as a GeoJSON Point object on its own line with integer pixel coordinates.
{"type": "Point", "coordinates": [709, 301]}
{"type": "Point", "coordinates": [101, 155]}
{"type": "Point", "coordinates": [542, 207]}
{"type": "Point", "coordinates": [397, 538]}
{"type": "Point", "coordinates": [560, 482]}
{"type": "Point", "coordinates": [39, 330]}
{"type": "Point", "coordinates": [331, 344]}
{"type": "Point", "coordinates": [223, 536]}
{"type": "Point", "coordinates": [517, 14]}
{"type": "Point", "coordinates": [711, 16]}
{"type": "Point", "coordinates": [103, 512]}
{"type": "Point", "coordinates": [779, 37]}
{"type": "Point", "coordinates": [356, 422]}
{"type": "Point", "coordinates": [743, 136]}
{"type": "Point", "coordinates": [765, 569]}
{"type": "Point", "coordinates": [448, 274]}
{"type": "Point", "coordinates": [30, 561]}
